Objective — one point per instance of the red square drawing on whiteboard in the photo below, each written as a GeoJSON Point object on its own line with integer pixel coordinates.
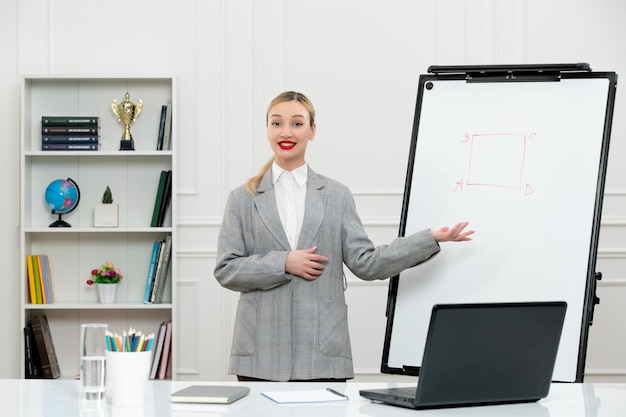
{"type": "Point", "coordinates": [497, 160]}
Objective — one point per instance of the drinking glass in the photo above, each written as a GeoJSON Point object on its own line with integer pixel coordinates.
{"type": "Point", "coordinates": [92, 360]}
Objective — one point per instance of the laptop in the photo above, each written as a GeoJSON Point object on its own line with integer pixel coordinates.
{"type": "Point", "coordinates": [482, 354]}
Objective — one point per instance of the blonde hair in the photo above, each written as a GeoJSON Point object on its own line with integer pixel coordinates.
{"type": "Point", "coordinates": [253, 182]}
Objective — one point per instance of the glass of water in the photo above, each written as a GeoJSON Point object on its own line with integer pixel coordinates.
{"type": "Point", "coordinates": [92, 360]}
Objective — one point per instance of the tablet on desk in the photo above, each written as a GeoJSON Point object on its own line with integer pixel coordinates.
{"type": "Point", "coordinates": [210, 394]}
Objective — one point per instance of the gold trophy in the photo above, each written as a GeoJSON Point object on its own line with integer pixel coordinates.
{"type": "Point", "coordinates": [127, 112]}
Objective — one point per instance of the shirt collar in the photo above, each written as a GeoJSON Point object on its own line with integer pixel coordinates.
{"type": "Point", "coordinates": [300, 174]}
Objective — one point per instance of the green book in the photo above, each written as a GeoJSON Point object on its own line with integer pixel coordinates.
{"type": "Point", "coordinates": [158, 199]}
{"type": "Point", "coordinates": [38, 289]}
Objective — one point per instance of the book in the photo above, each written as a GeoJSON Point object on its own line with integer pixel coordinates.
{"type": "Point", "coordinates": [45, 347]}
{"type": "Point", "coordinates": [70, 121]}
{"type": "Point", "coordinates": [167, 198]}
{"type": "Point", "coordinates": [167, 134]}
{"type": "Point", "coordinates": [32, 364]}
{"type": "Point", "coordinates": [31, 280]}
{"type": "Point", "coordinates": [42, 284]}
{"type": "Point", "coordinates": [158, 348]}
{"type": "Point", "coordinates": [69, 130]}
{"type": "Point", "coordinates": [210, 394]}
{"type": "Point", "coordinates": [47, 278]}
{"type": "Point", "coordinates": [35, 266]}
{"type": "Point", "coordinates": [158, 199]}
{"type": "Point", "coordinates": [165, 355]}
{"type": "Point", "coordinates": [69, 146]}
{"type": "Point", "coordinates": [159, 145]}
{"type": "Point", "coordinates": [64, 139]}
{"type": "Point", "coordinates": [161, 283]}
{"type": "Point", "coordinates": [151, 270]}
{"type": "Point", "coordinates": [157, 271]}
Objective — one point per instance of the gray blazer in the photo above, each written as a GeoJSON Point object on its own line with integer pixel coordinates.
{"type": "Point", "coordinates": [289, 328]}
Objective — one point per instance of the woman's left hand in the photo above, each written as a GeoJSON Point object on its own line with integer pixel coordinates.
{"type": "Point", "coordinates": [456, 233]}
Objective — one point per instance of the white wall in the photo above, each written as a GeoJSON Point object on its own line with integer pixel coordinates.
{"type": "Point", "coordinates": [359, 61]}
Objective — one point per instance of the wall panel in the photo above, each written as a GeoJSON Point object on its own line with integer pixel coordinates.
{"type": "Point", "coordinates": [359, 61]}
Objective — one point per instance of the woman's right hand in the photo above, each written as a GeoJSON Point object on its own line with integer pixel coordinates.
{"type": "Point", "coordinates": [305, 263]}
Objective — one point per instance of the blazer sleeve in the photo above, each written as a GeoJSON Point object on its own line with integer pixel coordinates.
{"type": "Point", "coordinates": [237, 268]}
{"type": "Point", "coordinates": [370, 262]}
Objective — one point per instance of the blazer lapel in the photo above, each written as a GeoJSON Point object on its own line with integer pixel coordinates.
{"type": "Point", "coordinates": [265, 203]}
{"type": "Point", "coordinates": [315, 207]}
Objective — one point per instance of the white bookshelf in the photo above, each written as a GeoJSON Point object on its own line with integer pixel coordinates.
{"type": "Point", "coordinates": [133, 177]}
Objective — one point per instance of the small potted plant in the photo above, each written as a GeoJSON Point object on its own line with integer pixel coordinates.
{"type": "Point", "coordinates": [107, 213]}
{"type": "Point", "coordinates": [107, 278]}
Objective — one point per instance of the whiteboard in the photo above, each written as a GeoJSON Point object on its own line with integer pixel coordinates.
{"type": "Point", "coordinates": [524, 163]}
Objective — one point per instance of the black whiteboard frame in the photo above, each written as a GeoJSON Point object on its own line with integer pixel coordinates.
{"type": "Point", "coordinates": [513, 73]}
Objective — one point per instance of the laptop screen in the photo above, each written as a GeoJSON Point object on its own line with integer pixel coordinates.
{"type": "Point", "coordinates": [490, 353]}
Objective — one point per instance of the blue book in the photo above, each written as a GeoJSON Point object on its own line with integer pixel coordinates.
{"type": "Point", "coordinates": [47, 281]}
{"type": "Point", "coordinates": [153, 262]}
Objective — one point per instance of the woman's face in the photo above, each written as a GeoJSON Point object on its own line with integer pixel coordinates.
{"type": "Point", "coordinates": [289, 131]}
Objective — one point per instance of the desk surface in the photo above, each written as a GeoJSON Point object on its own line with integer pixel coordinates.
{"type": "Point", "coordinates": [36, 398]}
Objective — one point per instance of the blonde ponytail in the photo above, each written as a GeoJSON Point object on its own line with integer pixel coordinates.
{"type": "Point", "coordinates": [253, 182]}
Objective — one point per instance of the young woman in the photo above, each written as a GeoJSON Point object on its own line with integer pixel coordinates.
{"type": "Point", "coordinates": [284, 239]}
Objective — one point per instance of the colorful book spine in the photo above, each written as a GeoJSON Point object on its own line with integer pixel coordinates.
{"type": "Point", "coordinates": [69, 130]}
{"type": "Point", "coordinates": [42, 284]}
{"type": "Point", "coordinates": [165, 354]}
{"type": "Point", "coordinates": [157, 272]}
{"type": "Point", "coordinates": [151, 270]}
{"type": "Point", "coordinates": [158, 349]}
{"type": "Point", "coordinates": [47, 279]}
{"type": "Point", "coordinates": [31, 280]}
{"type": "Point", "coordinates": [69, 146]}
{"type": "Point", "coordinates": [32, 363]}
{"type": "Point", "coordinates": [45, 347]}
{"type": "Point", "coordinates": [167, 134]}
{"type": "Point", "coordinates": [162, 281]}
{"type": "Point", "coordinates": [64, 139]}
{"type": "Point", "coordinates": [38, 289]}
{"type": "Point", "coordinates": [69, 120]}
{"type": "Point", "coordinates": [166, 199]}
{"type": "Point", "coordinates": [159, 146]}
{"type": "Point", "coordinates": [158, 199]}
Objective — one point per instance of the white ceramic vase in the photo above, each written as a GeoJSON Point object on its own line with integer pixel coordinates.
{"type": "Point", "coordinates": [106, 215]}
{"type": "Point", "coordinates": [107, 293]}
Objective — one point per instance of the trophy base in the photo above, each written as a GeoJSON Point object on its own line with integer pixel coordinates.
{"type": "Point", "coordinates": [127, 145]}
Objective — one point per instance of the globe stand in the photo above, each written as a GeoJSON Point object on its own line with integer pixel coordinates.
{"type": "Point", "coordinates": [60, 223]}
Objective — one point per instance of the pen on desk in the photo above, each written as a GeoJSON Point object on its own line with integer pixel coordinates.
{"type": "Point", "coordinates": [337, 393]}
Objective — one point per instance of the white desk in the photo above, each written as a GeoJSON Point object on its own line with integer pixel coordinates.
{"type": "Point", "coordinates": [51, 398]}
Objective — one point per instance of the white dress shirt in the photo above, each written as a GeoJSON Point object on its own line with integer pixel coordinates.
{"type": "Point", "coordinates": [290, 190]}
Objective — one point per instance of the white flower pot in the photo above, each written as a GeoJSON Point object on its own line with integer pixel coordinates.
{"type": "Point", "coordinates": [106, 215]}
{"type": "Point", "coordinates": [107, 293]}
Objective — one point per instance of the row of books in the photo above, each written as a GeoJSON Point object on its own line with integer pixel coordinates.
{"type": "Point", "coordinates": [39, 279]}
{"type": "Point", "coordinates": [41, 359]}
{"type": "Point", "coordinates": [40, 356]}
{"type": "Point", "coordinates": [157, 271]}
{"type": "Point", "coordinates": [69, 133]}
{"type": "Point", "coordinates": [162, 349]}
{"type": "Point", "coordinates": [164, 142]}
{"type": "Point", "coordinates": [162, 199]}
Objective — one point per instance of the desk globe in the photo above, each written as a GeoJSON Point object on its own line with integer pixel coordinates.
{"type": "Point", "coordinates": [62, 196]}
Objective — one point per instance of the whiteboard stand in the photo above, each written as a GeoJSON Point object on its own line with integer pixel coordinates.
{"type": "Point", "coordinates": [520, 152]}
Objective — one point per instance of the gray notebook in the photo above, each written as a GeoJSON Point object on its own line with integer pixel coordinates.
{"type": "Point", "coordinates": [210, 394]}
{"type": "Point", "coordinates": [479, 354]}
